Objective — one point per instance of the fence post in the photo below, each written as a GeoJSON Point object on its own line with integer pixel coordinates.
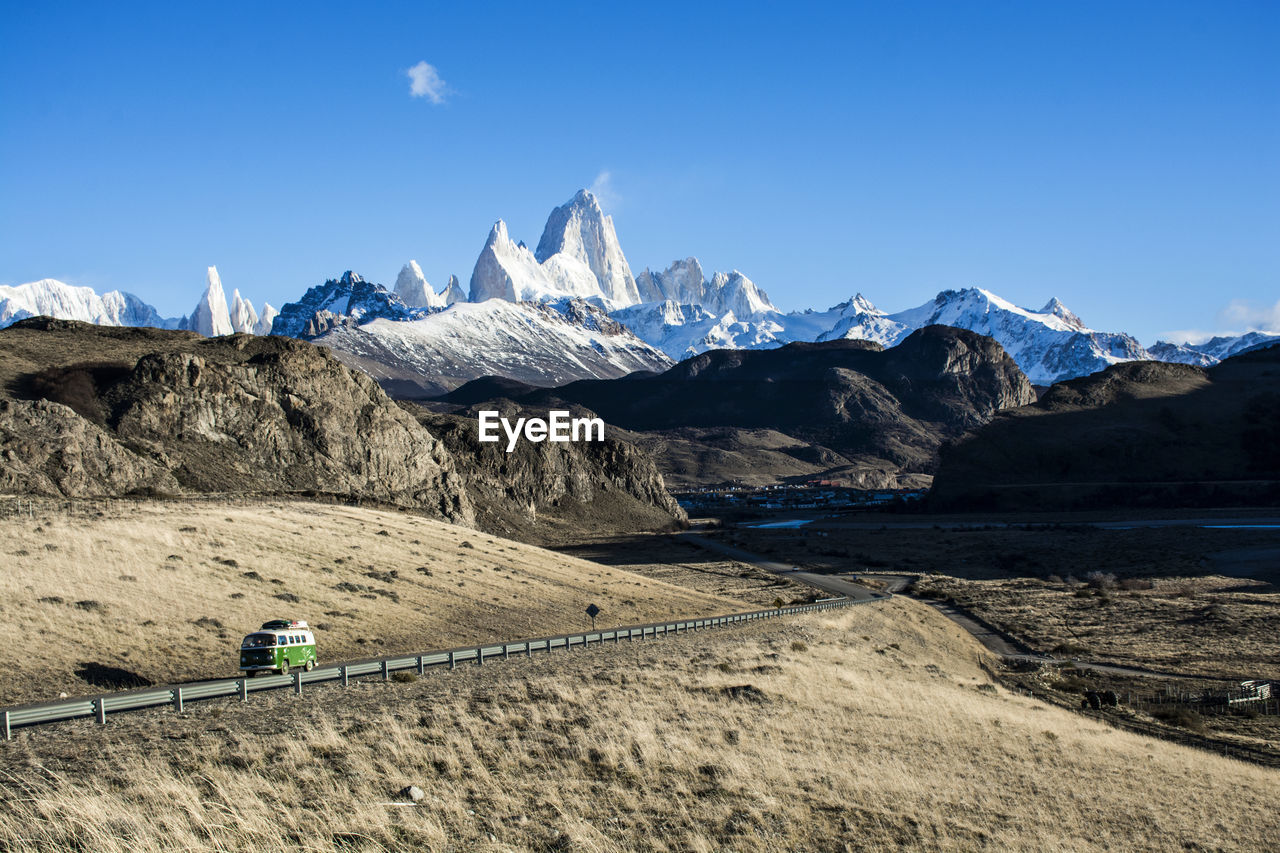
{"type": "Point", "coordinates": [177, 699]}
{"type": "Point", "coordinates": [345, 681]}
{"type": "Point", "coordinates": [100, 706]}
{"type": "Point", "coordinates": [297, 682]}
{"type": "Point", "coordinates": [244, 689]}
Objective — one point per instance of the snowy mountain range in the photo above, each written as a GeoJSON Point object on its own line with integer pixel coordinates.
{"type": "Point", "coordinates": [573, 309]}
{"type": "Point", "coordinates": [212, 316]}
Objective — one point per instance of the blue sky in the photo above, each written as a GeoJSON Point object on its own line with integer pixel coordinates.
{"type": "Point", "coordinates": [1124, 157]}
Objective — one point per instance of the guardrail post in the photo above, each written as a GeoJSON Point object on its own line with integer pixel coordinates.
{"type": "Point", "coordinates": [452, 661]}
{"type": "Point", "coordinates": [528, 648]}
{"type": "Point", "coordinates": [244, 689]}
{"type": "Point", "coordinates": [506, 652]}
{"type": "Point", "coordinates": [177, 699]}
{"type": "Point", "coordinates": [345, 680]}
{"type": "Point", "coordinates": [100, 706]}
{"type": "Point", "coordinates": [297, 682]}
{"type": "Point", "coordinates": [479, 655]}
{"type": "Point", "coordinates": [386, 671]}
{"type": "Point", "coordinates": [421, 666]}
{"type": "Point", "coordinates": [4, 721]}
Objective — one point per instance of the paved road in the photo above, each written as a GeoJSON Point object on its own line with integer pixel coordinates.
{"type": "Point", "coordinates": [826, 583]}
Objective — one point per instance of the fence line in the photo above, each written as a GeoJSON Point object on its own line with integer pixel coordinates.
{"type": "Point", "coordinates": [178, 696]}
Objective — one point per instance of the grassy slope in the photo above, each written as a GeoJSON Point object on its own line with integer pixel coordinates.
{"type": "Point", "coordinates": [875, 728]}
{"type": "Point", "coordinates": [162, 590]}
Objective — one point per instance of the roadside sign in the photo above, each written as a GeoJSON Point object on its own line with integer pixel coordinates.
{"type": "Point", "coordinates": [593, 612]}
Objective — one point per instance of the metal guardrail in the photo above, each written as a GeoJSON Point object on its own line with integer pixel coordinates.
{"type": "Point", "coordinates": [178, 695]}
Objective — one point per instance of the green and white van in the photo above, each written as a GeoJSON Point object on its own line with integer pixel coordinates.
{"type": "Point", "coordinates": [277, 646]}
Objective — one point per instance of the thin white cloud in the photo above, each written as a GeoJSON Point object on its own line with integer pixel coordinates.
{"type": "Point", "coordinates": [1239, 317]}
{"type": "Point", "coordinates": [1186, 336]}
{"type": "Point", "coordinates": [425, 82]}
{"type": "Point", "coordinates": [1251, 316]}
{"type": "Point", "coordinates": [602, 189]}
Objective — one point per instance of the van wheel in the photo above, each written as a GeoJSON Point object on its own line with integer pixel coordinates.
{"type": "Point", "coordinates": [284, 667]}
{"type": "Point", "coordinates": [309, 665]}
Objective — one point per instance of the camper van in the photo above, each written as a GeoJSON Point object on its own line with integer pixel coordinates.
{"type": "Point", "coordinates": [278, 646]}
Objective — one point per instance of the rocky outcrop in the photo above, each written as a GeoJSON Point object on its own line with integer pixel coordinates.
{"type": "Point", "coordinates": [610, 484]}
{"type": "Point", "coordinates": [346, 300]}
{"type": "Point", "coordinates": [48, 449]}
{"type": "Point", "coordinates": [233, 414]}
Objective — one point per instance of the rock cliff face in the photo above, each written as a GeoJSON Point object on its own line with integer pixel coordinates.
{"type": "Point", "coordinates": [233, 414]}
{"type": "Point", "coordinates": [598, 485]}
{"type": "Point", "coordinates": [48, 449]}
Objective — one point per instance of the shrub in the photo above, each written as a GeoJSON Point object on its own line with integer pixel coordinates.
{"type": "Point", "coordinates": [799, 646]}
{"type": "Point", "coordinates": [404, 677]}
{"type": "Point", "coordinates": [1100, 580]}
{"type": "Point", "coordinates": [1183, 718]}
{"type": "Point", "coordinates": [1135, 584]}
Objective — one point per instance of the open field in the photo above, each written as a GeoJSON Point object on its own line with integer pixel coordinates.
{"type": "Point", "coordinates": [1169, 603]}
{"type": "Point", "coordinates": [875, 728]}
{"type": "Point", "coordinates": [157, 592]}
{"type": "Point", "coordinates": [1209, 626]}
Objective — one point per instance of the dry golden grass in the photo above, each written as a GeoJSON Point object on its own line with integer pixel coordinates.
{"type": "Point", "coordinates": [166, 590]}
{"type": "Point", "coordinates": [871, 728]}
{"type": "Point", "coordinates": [1208, 626]}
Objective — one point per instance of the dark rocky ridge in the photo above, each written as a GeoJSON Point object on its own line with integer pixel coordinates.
{"type": "Point", "coordinates": [106, 411]}
{"type": "Point", "coordinates": [538, 487]}
{"type": "Point", "coordinates": [870, 416]}
{"type": "Point", "coordinates": [231, 414]}
{"type": "Point", "coordinates": [1142, 433]}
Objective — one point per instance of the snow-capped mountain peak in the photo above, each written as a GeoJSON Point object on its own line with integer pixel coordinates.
{"type": "Point", "coordinates": [243, 317]}
{"type": "Point", "coordinates": [211, 316]}
{"type": "Point", "coordinates": [413, 289]}
{"type": "Point", "coordinates": [52, 298]}
{"type": "Point", "coordinates": [347, 300]}
{"type": "Point", "coordinates": [453, 292]}
{"type": "Point", "coordinates": [579, 229]}
{"type": "Point", "coordinates": [266, 320]}
{"type": "Point", "coordinates": [733, 292]}
{"type": "Point", "coordinates": [1062, 312]}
